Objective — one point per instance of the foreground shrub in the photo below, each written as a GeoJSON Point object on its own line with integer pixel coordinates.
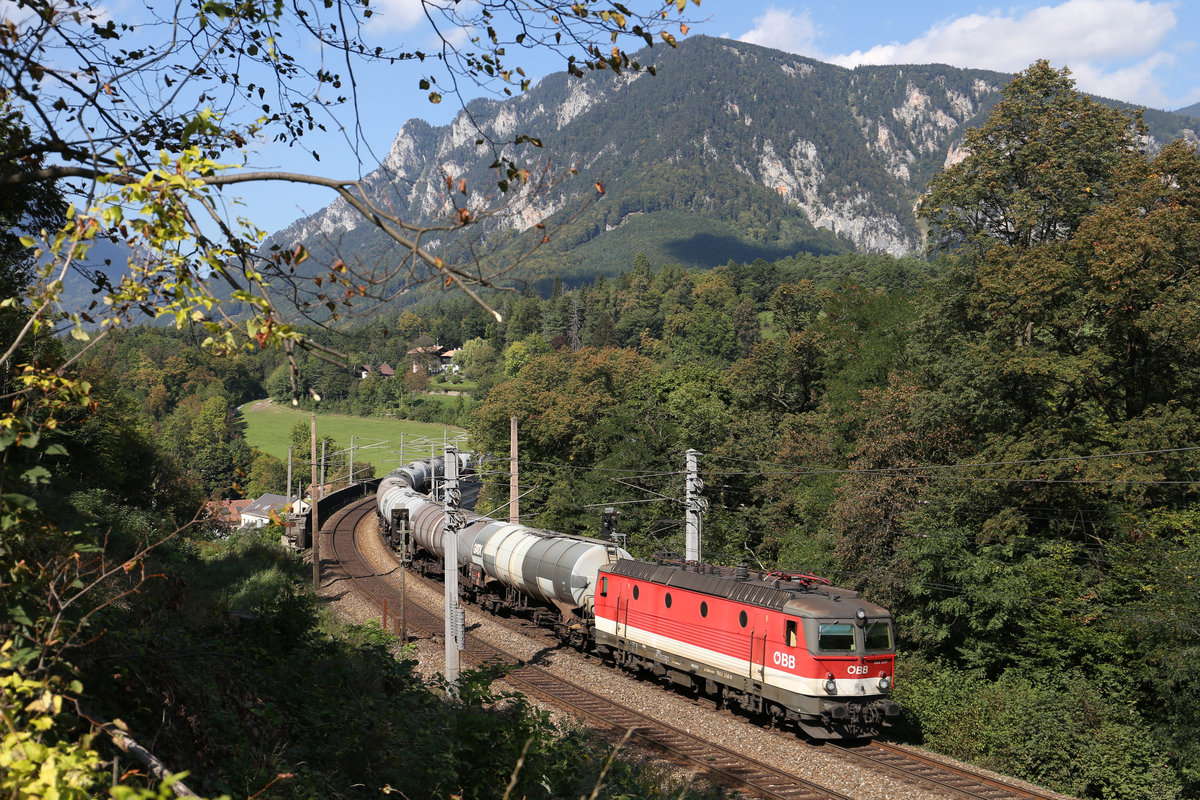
{"type": "Point", "coordinates": [1059, 731]}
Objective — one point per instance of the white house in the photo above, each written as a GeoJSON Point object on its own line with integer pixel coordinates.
{"type": "Point", "coordinates": [258, 513]}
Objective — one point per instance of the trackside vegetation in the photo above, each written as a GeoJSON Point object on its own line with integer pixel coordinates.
{"type": "Point", "coordinates": [269, 693]}
{"type": "Point", "coordinates": [997, 442]}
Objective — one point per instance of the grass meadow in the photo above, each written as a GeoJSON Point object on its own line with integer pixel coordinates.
{"type": "Point", "coordinates": [377, 440]}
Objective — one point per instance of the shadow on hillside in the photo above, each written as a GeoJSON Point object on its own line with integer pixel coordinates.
{"type": "Point", "coordinates": [712, 250]}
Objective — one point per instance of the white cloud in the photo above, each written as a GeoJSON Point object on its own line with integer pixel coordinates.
{"type": "Point", "coordinates": [1113, 47]}
{"type": "Point", "coordinates": [396, 15]}
{"type": "Point", "coordinates": [783, 29]}
{"type": "Point", "coordinates": [1135, 83]}
{"type": "Point", "coordinates": [1074, 31]}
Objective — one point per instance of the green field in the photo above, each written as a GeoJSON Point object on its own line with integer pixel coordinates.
{"type": "Point", "coordinates": [376, 440]}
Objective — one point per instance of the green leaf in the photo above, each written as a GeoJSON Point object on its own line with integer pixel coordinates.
{"type": "Point", "coordinates": [37, 474]}
{"type": "Point", "coordinates": [19, 500]}
{"type": "Point", "coordinates": [19, 615]}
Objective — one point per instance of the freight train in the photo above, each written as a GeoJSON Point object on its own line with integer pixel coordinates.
{"type": "Point", "coordinates": [785, 645]}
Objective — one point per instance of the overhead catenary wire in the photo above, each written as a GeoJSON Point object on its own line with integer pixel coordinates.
{"type": "Point", "coordinates": [963, 465]}
{"type": "Point", "coordinates": [962, 478]}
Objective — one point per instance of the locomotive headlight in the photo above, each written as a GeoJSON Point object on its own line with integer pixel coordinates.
{"type": "Point", "coordinates": [830, 683]}
{"type": "Point", "coordinates": [860, 617]}
{"type": "Point", "coordinates": [885, 683]}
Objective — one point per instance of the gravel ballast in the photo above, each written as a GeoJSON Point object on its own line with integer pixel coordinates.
{"type": "Point", "coordinates": [783, 749]}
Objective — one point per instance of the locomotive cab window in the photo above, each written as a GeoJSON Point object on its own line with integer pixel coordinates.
{"type": "Point", "coordinates": [877, 636]}
{"type": "Point", "coordinates": [789, 633]}
{"type": "Point", "coordinates": [836, 636]}
{"type": "Point", "coordinates": [604, 587]}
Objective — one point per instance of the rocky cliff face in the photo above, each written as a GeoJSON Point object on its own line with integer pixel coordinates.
{"type": "Point", "coordinates": [778, 149]}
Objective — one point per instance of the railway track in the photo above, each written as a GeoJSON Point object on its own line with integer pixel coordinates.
{"type": "Point", "coordinates": [950, 780]}
{"type": "Point", "coordinates": [726, 766]}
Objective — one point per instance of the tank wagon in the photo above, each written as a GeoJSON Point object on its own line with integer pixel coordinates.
{"type": "Point", "coordinates": [505, 567]}
{"type": "Point", "coordinates": [786, 645]}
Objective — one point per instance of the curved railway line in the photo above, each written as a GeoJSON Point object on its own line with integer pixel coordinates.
{"type": "Point", "coordinates": [723, 765]}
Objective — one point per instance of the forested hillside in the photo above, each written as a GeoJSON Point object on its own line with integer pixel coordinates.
{"type": "Point", "coordinates": [729, 152]}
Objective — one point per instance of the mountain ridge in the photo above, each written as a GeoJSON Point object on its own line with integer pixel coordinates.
{"type": "Point", "coordinates": [768, 152]}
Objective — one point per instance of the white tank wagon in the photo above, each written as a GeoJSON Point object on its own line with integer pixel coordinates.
{"type": "Point", "coordinates": [551, 567]}
{"type": "Point", "coordinates": [421, 476]}
{"type": "Point", "coordinates": [554, 568]}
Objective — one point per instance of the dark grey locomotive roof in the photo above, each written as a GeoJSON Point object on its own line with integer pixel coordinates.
{"type": "Point", "coordinates": [797, 597]}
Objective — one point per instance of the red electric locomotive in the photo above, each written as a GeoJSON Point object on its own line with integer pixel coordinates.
{"type": "Point", "coordinates": [790, 646]}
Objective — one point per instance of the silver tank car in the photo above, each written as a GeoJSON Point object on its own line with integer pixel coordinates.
{"type": "Point", "coordinates": [553, 567]}
{"type": "Point", "coordinates": [421, 475]}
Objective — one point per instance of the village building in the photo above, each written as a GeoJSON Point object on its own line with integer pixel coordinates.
{"type": "Point", "coordinates": [258, 513]}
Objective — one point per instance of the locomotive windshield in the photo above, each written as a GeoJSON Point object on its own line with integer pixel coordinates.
{"type": "Point", "coordinates": [835, 636]}
{"type": "Point", "coordinates": [878, 636]}
{"type": "Point", "coordinates": [841, 637]}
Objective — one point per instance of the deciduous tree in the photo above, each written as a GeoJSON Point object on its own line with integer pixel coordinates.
{"type": "Point", "coordinates": [1044, 158]}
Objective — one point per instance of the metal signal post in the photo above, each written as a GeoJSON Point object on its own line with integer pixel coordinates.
{"type": "Point", "coordinates": [694, 506]}
{"type": "Point", "coordinates": [316, 523]}
{"type": "Point", "coordinates": [455, 616]}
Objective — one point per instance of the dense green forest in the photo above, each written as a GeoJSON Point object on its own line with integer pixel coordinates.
{"type": "Point", "coordinates": [998, 443]}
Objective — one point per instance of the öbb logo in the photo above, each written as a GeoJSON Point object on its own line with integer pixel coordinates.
{"type": "Point", "coordinates": [784, 660]}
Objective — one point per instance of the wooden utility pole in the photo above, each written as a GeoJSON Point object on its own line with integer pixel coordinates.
{"type": "Point", "coordinates": [514, 502]}
{"type": "Point", "coordinates": [316, 525]}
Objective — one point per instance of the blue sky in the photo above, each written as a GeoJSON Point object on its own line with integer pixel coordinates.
{"type": "Point", "coordinates": [1141, 51]}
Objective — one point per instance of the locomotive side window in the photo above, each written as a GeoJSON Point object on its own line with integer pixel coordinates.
{"type": "Point", "coordinates": [878, 636]}
{"type": "Point", "coordinates": [835, 636]}
{"type": "Point", "coordinates": [703, 609]}
{"type": "Point", "coordinates": [667, 600]}
{"type": "Point", "coordinates": [742, 618]}
{"type": "Point", "coordinates": [790, 633]}
{"type": "Point", "coordinates": [604, 587]}
{"type": "Point", "coordinates": [635, 591]}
